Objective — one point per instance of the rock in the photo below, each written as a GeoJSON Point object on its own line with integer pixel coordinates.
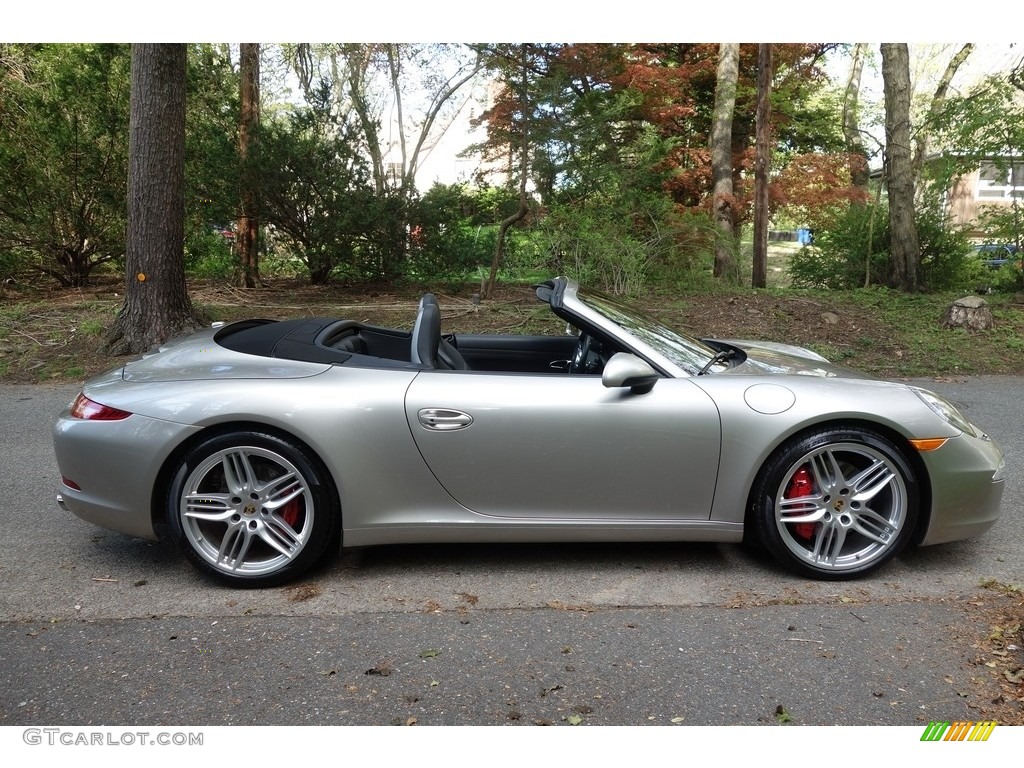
{"type": "Point", "coordinates": [830, 318]}
{"type": "Point", "coordinates": [969, 312]}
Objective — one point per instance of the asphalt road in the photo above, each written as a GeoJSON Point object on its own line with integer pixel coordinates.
{"type": "Point", "coordinates": [96, 627]}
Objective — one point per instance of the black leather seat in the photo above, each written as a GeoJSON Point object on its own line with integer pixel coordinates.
{"type": "Point", "coordinates": [426, 333]}
{"type": "Point", "coordinates": [428, 348]}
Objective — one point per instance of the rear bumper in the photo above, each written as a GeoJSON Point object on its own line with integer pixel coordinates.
{"type": "Point", "coordinates": [114, 465]}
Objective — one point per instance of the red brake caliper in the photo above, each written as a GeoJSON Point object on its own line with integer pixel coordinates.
{"type": "Point", "coordinates": [290, 512]}
{"type": "Point", "coordinates": [801, 485]}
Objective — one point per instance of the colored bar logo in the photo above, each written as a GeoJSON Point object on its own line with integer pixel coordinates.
{"type": "Point", "coordinates": [958, 731]}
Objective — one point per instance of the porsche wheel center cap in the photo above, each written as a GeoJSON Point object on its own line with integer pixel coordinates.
{"type": "Point", "coordinates": [250, 509]}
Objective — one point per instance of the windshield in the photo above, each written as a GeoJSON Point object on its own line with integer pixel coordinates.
{"type": "Point", "coordinates": [685, 351]}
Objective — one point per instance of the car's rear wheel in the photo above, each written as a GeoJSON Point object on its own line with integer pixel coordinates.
{"type": "Point", "coordinates": [837, 503]}
{"type": "Point", "coordinates": [252, 509]}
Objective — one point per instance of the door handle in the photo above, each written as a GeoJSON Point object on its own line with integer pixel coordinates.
{"type": "Point", "coordinates": [444, 419]}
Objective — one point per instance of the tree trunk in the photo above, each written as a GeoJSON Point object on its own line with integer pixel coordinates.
{"type": "Point", "coordinates": [358, 62]}
{"type": "Point", "coordinates": [394, 57]}
{"type": "Point", "coordinates": [762, 164]}
{"type": "Point", "coordinates": [247, 235]}
{"type": "Point", "coordinates": [524, 162]}
{"type": "Point", "coordinates": [156, 305]}
{"type": "Point", "coordinates": [851, 124]}
{"type": "Point", "coordinates": [721, 161]}
{"type": "Point", "coordinates": [871, 230]}
{"type": "Point", "coordinates": [430, 115]}
{"type": "Point", "coordinates": [904, 251]}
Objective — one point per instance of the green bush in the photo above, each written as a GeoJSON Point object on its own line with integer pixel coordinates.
{"type": "Point", "coordinates": [443, 243]}
{"type": "Point", "coordinates": [595, 249]}
{"type": "Point", "coordinates": [1006, 279]}
{"type": "Point", "coordinates": [839, 258]}
{"type": "Point", "coordinates": [209, 255]}
{"type": "Point", "coordinates": [947, 262]}
{"type": "Point", "coordinates": [10, 265]}
{"type": "Point", "coordinates": [317, 195]}
{"type": "Point", "coordinates": [688, 263]}
{"type": "Point", "coordinates": [623, 246]}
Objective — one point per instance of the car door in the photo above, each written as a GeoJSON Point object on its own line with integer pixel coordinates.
{"type": "Point", "coordinates": [567, 447]}
{"type": "Point", "coordinates": [522, 354]}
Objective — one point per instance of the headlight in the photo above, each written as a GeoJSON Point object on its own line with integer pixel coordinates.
{"type": "Point", "coordinates": [945, 410]}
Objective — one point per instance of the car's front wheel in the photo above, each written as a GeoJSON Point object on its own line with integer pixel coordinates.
{"type": "Point", "coordinates": [836, 503]}
{"type": "Point", "coordinates": [252, 509]}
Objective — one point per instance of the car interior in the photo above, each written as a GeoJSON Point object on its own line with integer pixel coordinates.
{"type": "Point", "coordinates": [348, 342]}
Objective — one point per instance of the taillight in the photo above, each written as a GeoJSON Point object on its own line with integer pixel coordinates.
{"type": "Point", "coordinates": [89, 410]}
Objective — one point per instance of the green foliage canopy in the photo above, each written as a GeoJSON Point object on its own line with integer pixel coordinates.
{"type": "Point", "coordinates": [64, 151]}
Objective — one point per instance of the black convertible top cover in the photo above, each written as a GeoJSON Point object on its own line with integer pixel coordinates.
{"type": "Point", "coordinates": [288, 339]}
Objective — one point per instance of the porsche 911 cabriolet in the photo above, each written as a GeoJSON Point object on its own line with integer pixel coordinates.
{"type": "Point", "coordinates": [259, 447]}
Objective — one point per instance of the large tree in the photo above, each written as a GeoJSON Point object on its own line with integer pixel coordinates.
{"type": "Point", "coordinates": [401, 97]}
{"type": "Point", "coordinates": [316, 194]}
{"type": "Point", "coordinates": [623, 131]}
{"type": "Point", "coordinates": [593, 161]}
{"type": "Point", "coordinates": [858, 161]}
{"type": "Point", "coordinates": [247, 228]}
{"type": "Point", "coordinates": [905, 248]}
{"type": "Point", "coordinates": [924, 133]}
{"type": "Point", "coordinates": [63, 155]}
{"type": "Point", "coordinates": [759, 278]}
{"type": "Point", "coordinates": [723, 200]}
{"type": "Point", "coordinates": [517, 101]}
{"type": "Point", "coordinates": [157, 305]}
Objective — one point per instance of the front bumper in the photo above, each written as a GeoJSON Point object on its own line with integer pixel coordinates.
{"type": "Point", "coordinates": [966, 488]}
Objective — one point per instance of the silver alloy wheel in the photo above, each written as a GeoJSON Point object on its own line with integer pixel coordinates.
{"type": "Point", "coordinates": [853, 513]}
{"type": "Point", "coordinates": [246, 511]}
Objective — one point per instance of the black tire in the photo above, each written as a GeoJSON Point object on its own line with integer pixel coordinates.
{"type": "Point", "coordinates": [837, 503]}
{"type": "Point", "coordinates": [252, 509]}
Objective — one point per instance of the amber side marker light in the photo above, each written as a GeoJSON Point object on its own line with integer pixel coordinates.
{"type": "Point", "coordinates": [929, 444]}
{"type": "Point", "coordinates": [89, 410]}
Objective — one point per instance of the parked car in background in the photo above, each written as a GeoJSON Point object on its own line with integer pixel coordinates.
{"type": "Point", "coordinates": [996, 255]}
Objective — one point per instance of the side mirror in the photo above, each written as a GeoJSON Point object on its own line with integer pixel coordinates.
{"type": "Point", "coordinates": [626, 370]}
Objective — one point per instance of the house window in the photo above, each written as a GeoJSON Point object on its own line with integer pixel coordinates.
{"type": "Point", "coordinates": [1001, 182]}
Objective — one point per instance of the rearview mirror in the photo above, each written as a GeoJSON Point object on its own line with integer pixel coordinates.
{"type": "Point", "coordinates": [626, 370]}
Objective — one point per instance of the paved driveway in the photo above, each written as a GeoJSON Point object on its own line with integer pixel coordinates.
{"type": "Point", "coordinates": [99, 627]}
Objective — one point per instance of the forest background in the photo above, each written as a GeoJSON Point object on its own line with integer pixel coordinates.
{"type": "Point", "coordinates": [652, 170]}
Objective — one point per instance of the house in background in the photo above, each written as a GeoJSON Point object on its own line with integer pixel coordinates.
{"type": "Point", "coordinates": [992, 184]}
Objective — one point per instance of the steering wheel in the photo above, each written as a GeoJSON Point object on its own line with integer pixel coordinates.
{"type": "Point", "coordinates": [581, 358]}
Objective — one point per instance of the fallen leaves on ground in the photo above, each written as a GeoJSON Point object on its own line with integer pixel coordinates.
{"type": "Point", "coordinates": [300, 593]}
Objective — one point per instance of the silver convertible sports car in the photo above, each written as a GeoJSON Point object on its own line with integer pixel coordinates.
{"type": "Point", "coordinates": [260, 446]}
